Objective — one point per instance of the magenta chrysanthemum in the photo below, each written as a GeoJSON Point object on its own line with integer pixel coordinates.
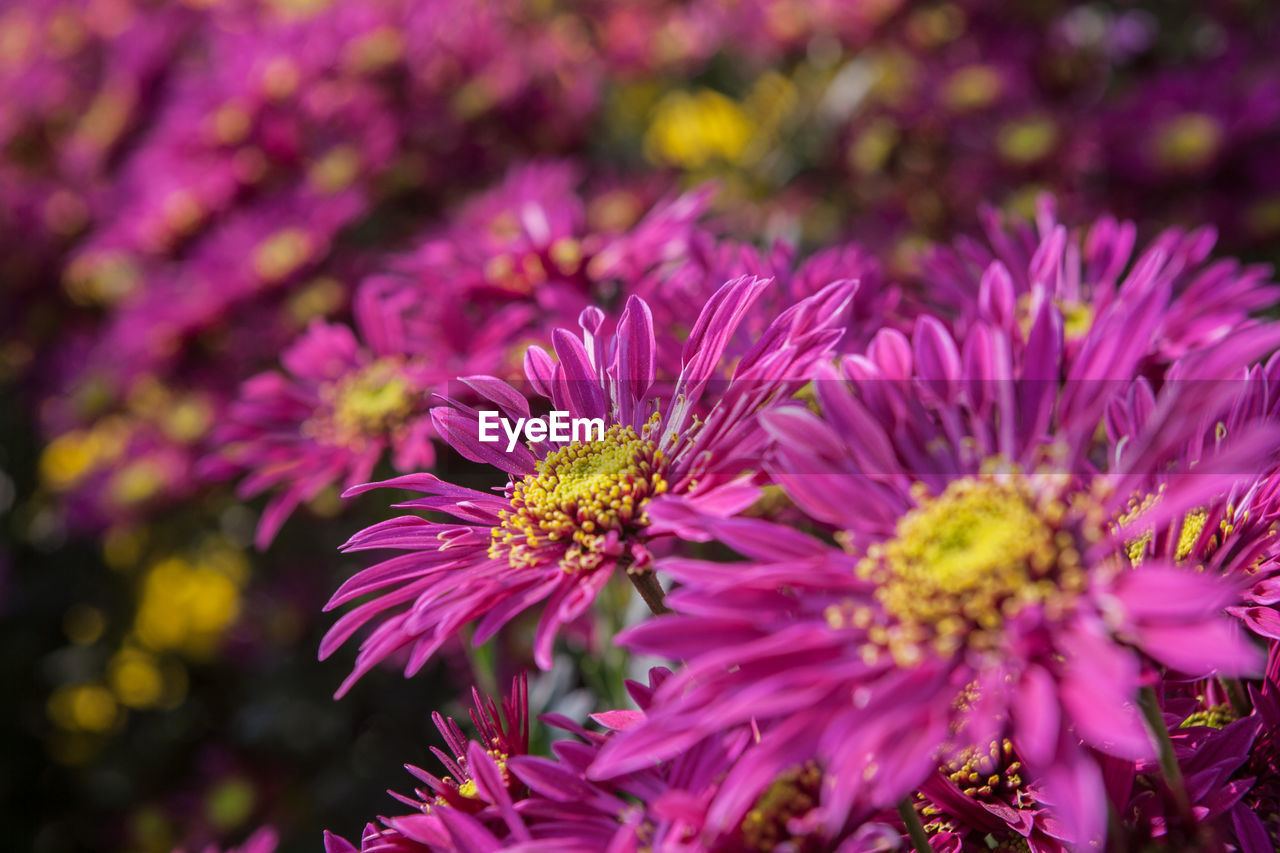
{"type": "Point", "coordinates": [572, 512]}
{"type": "Point", "coordinates": [516, 801]}
{"type": "Point", "coordinates": [479, 785]}
{"type": "Point", "coordinates": [1097, 273]}
{"type": "Point", "coordinates": [331, 418]}
{"type": "Point", "coordinates": [987, 583]}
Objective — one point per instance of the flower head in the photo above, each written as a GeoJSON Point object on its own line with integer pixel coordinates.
{"type": "Point", "coordinates": [677, 808]}
{"type": "Point", "coordinates": [1228, 762]}
{"type": "Point", "coordinates": [330, 418]}
{"type": "Point", "coordinates": [1096, 273]}
{"type": "Point", "coordinates": [669, 261]}
{"type": "Point", "coordinates": [573, 511]}
{"type": "Point", "coordinates": [478, 789]}
{"type": "Point", "coordinates": [982, 587]}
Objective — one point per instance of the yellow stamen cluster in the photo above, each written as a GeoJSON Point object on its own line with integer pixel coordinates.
{"type": "Point", "coordinates": [793, 794]}
{"type": "Point", "coordinates": [370, 403]}
{"type": "Point", "coordinates": [1189, 534]}
{"type": "Point", "coordinates": [972, 88]}
{"type": "Point", "coordinates": [995, 773]}
{"type": "Point", "coordinates": [1214, 717]}
{"type": "Point", "coordinates": [73, 456]}
{"type": "Point", "coordinates": [1077, 317]}
{"type": "Point", "coordinates": [935, 820]}
{"type": "Point", "coordinates": [1136, 548]}
{"type": "Point", "coordinates": [1027, 141]}
{"type": "Point", "coordinates": [1188, 141]}
{"type": "Point", "coordinates": [1192, 527]}
{"type": "Point", "coordinates": [578, 495]}
{"type": "Point", "coordinates": [523, 273]}
{"type": "Point", "coordinates": [963, 562]}
{"type": "Point", "coordinates": [467, 787]}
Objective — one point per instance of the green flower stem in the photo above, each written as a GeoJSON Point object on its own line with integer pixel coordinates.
{"type": "Point", "coordinates": [915, 829]}
{"type": "Point", "coordinates": [1168, 759]}
{"type": "Point", "coordinates": [1236, 697]}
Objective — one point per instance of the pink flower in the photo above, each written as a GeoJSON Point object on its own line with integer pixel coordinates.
{"type": "Point", "coordinates": [573, 512]}
{"type": "Point", "coordinates": [330, 417]}
{"type": "Point", "coordinates": [986, 581]}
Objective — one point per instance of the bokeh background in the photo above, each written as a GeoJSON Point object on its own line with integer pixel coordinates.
{"type": "Point", "coordinates": [185, 187]}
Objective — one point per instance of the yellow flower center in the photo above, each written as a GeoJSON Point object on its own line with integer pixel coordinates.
{"type": "Point", "coordinates": [995, 773]}
{"type": "Point", "coordinates": [298, 9]}
{"type": "Point", "coordinates": [972, 88]}
{"type": "Point", "coordinates": [1028, 140]}
{"type": "Point", "coordinates": [74, 455]}
{"type": "Point", "coordinates": [1214, 717]}
{"type": "Point", "coordinates": [963, 562]}
{"type": "Point", "coordinates": [373, 402]}
{"type": "Point", "coordinates": [1188, 141]}
{"type": "Point", "coordinates": [578, 495]}
{"type": "Point", "coordinates": [1077, 317]}
{"type": "Point", "coordinates": [282, 254]}
{"type": "Point", "coordinates": [467, 787]}
{"type": "Point", "coordinates": [793, 794]}
{"type": "Point", "coordinates": [1189, 533]}
{"type": "Point", "coordinates": [1192, 527]}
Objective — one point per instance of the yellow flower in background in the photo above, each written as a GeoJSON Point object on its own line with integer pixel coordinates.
{"type": "Point", "coordinates": [101, 278]}
{"type": "Point", "coordinates": [188, 602]}
{"type": "Point", "coordinates": [1028, 140]}
{"type": "Point", "coordinates": [138, 482]}
{"type": "Point", "coordinates": [695, 130]}
{"type": "Point", "coordinates": [136, 678]}
{"type": "Point", "coordinates": [895, 75]}
{"type": "Point", "coordinates": [870, 150]}
{"type": "Point", "coordinates": [1187, 142]}
{"type": "Point", "coordinates": [935, 26]}
{"type": "Point", "coordinates": [88, 707]}
{"type": "Point", "coordinates": [336, 170]}
{"type": "Point", "coordinates": [74, 455]}
{"type": "Point", "coordinates": [972, 87]}
{"type": "Point", "coordinates": [69, 459]}
{"type": "Point", "coordinates": [84, 624]}
{"type": "Point", "coordinates": [320, 297]}
{"type": "Point", "coordinates": [282, 254]}
{"type": "Point", "coordinates": [230, 803]}
{"type": "Point", "coordinates": [298, 9]}
{"type": "Point", "coordinates": [1263, 217]}
{"type": "Point", "coordinates": [692, 130]}
{"type": "Point", "coordinates": [122, 546]}
{"type": "Point", "coordinates": [182, 416]}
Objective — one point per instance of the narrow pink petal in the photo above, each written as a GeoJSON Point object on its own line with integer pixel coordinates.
{"type": "Point", "coordinates": [619, 720]}
{"type": "Point", "coordinates": [636, 359]}
{"type": "Point", "coordinates": [462, 431]}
